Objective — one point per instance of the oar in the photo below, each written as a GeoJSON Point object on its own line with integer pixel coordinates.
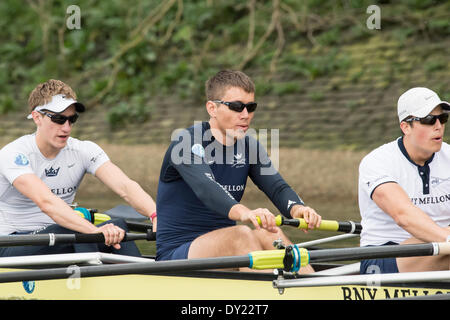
{"type": "Point", "coordinates": [363, 279]}
{"type": "Point", "coordinates": [375, 252]}
{"type": "Point", "coordinates": [325, 225]}
{"type": "Point", "coordinates": [291, 258]}
{"type": "Point", "coordinates": [51, 239]}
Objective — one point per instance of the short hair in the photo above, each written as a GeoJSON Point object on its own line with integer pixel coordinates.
{"type": "Point", "coordinates": [44, 92]}
{"type": "Point", "coordinates": [216, 86]}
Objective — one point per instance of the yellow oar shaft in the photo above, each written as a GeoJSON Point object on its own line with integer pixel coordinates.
{"type": "Point", "coordinates": [328, 225]}
{"type": "Point", "coordinates": [325, 225]}
{"type": "Point", "coordinates": [275, 259]}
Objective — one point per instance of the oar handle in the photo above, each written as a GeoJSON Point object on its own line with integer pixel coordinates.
{"type": "Point", "coordinates": [278, 220]}
{"type": "Point", "coordinates": [51, 239]}
{"type": "Point", "coordinates": [325, 225]}
{"type": "Point", "coordinates": [99, 237]}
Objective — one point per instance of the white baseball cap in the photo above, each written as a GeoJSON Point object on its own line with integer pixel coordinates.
{"type": "Point", "coordinates": [419, 102]}
{"type": "Point", "coordinates": [58, 104]}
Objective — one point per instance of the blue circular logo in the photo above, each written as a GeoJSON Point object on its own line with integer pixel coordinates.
{"type": "Point", "coordinates": [29, 286]}
{"type": "Point", "coordinates": [21, 160]}
{"type": "Point", "coordinates": [198, 150]}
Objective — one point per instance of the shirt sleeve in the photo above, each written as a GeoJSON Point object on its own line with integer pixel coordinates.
{"type": "Point", "coordinates": [374, 170]}
{"type": "Point", "coordinates": [93, 156]}
{"type": "Point", "coordinates": [191, 166]}
{"type": "Point", "coordinates": [269, 180]}
{"type": "Point", "coordinates": [13, 164]}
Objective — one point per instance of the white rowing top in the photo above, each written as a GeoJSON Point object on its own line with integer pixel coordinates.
{"type": "Point", "coordinates": [62, 175]}
{"type": "Point", "coordinates": [428, 187]}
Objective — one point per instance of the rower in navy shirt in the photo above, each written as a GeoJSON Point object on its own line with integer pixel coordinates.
{"type": "Point", "coordinates": [203, 178]}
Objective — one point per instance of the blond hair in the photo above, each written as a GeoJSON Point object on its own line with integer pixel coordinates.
{"type": "Point", "coordinates": [216, 86]}
{"type": "Point", "coordinates": [44, 92]}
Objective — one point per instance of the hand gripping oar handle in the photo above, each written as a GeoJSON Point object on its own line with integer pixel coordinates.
{"type": "Point", "coordinates": [325, 225]}
{"type": "Point", "coordinates": [51, 239]}
{"type": "Point", "coordinates": [99, 237]}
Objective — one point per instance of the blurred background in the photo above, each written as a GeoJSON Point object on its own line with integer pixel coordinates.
{"type": "Point", "coordinates": [328, 75]}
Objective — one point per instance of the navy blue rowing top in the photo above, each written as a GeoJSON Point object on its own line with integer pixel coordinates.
{"type": "Point", "coordinates": [201, 180]}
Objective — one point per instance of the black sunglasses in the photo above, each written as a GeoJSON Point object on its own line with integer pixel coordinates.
{"type": "Point", "coordinates": [239, 106]}
{"type": "Point", "coordinates": [59, 118]}
{"type": "Point", "coordinates": [430, 119]}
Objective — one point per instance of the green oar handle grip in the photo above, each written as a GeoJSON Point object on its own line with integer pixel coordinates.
{"type": "Point", "coordinates": [325, 225]}
{"type": "Point", "coordinates": [300, 223]}
{"type": "Point", "coordinates": [278, 220]}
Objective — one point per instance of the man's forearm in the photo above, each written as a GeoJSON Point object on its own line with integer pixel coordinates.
{"type": "Point", "coordinates": [64, 215]}
{"type": "Point", "coordinates": [421, 226]}
{"type": "Point", "coordinates": [139, 199]}
{"type": "Point", "coordinates": [393, 200]}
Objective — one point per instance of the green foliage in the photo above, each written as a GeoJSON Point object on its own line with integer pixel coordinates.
{"type": "Point", "coordinates": [440, 26]}
{"type": "Point", "coordinates": [129, 54]}
{"type": "Point", "coordinates": [283, 88]}
{"type": "Point", "coordinates": [315, 65]}
{"type": "Point", "coordinates": [136, 110]}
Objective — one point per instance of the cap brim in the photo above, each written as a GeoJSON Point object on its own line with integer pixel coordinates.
{"type": "Point", "coordinates": [79, 107]}
{"type": "Point", "coordinates": [426, 110]}
{"type": "Point", "coordinates": [445, 105]}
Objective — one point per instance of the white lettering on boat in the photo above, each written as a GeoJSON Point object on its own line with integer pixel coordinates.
{"type": "Point", "coordinates": [372, 293]}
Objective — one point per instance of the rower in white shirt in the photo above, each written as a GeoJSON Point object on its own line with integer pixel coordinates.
{"type": "Point", "coordinates": [41, 172]}
{"type": "Point", "coordinates": [404, 186]}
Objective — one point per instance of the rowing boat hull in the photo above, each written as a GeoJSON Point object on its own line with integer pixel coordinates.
{"type": "Point", "coordinates": [165, 287]}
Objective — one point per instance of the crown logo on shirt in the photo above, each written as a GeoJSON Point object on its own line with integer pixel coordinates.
{"type": "Point", "coordinates": [51, 172]}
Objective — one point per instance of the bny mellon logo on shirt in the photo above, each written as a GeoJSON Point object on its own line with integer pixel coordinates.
{"type": "Point", "coordinates": [238, 161]}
